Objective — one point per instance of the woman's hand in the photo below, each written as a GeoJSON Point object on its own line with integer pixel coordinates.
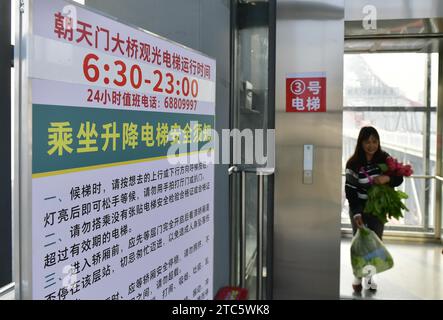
{"type": "Point", "coordinates": [359, 221]}
{"type": "Point", "coordinates": [382, 180]}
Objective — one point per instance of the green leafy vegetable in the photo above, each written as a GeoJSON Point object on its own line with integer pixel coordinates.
{"type": "Point", "coordinates": [385, 202]}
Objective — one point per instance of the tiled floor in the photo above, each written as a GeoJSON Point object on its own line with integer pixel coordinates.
{"type": "Point", "coordinates": [417, 273]}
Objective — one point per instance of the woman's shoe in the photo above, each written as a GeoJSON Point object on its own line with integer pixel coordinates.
{"type": "Point", "coordinates": [370, 284]}
{"type": "Point", "coordinates": [356, 285]}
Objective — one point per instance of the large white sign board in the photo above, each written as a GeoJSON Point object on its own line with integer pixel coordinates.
{"type": "Point", "coordinates": [112, 217]}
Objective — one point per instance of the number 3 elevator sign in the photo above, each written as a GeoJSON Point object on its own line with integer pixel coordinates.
{"type": "Point", "coordinates": [306, 92]}
{"type": "Point", "coordinates": [112, 216]}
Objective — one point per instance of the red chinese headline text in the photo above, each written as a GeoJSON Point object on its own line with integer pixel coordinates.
{"type": "Point", "coordinates": [101, 38]}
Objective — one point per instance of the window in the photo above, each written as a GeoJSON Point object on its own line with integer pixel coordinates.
{"type": "Point", "coordinates": [401, 102]}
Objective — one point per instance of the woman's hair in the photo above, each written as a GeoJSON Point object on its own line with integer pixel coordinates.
{"type": "Point", "coordinates": [359, 157]}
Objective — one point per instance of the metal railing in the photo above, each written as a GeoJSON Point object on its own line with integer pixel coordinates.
{"type": "Point", "coordinates": [408, 231]}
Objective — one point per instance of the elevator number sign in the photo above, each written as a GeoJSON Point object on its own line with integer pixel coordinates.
{"type": "Point", "coordinates": [306, 92]}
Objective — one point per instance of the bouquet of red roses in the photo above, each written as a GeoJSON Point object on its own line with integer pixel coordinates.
{"type": "Point", "coordinates": [384, 201]}
{"type": "Point", "coordinates": [395, 168]}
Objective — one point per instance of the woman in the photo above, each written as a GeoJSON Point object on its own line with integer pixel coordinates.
{"type": "Point", "coordinates": [361, 168]}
